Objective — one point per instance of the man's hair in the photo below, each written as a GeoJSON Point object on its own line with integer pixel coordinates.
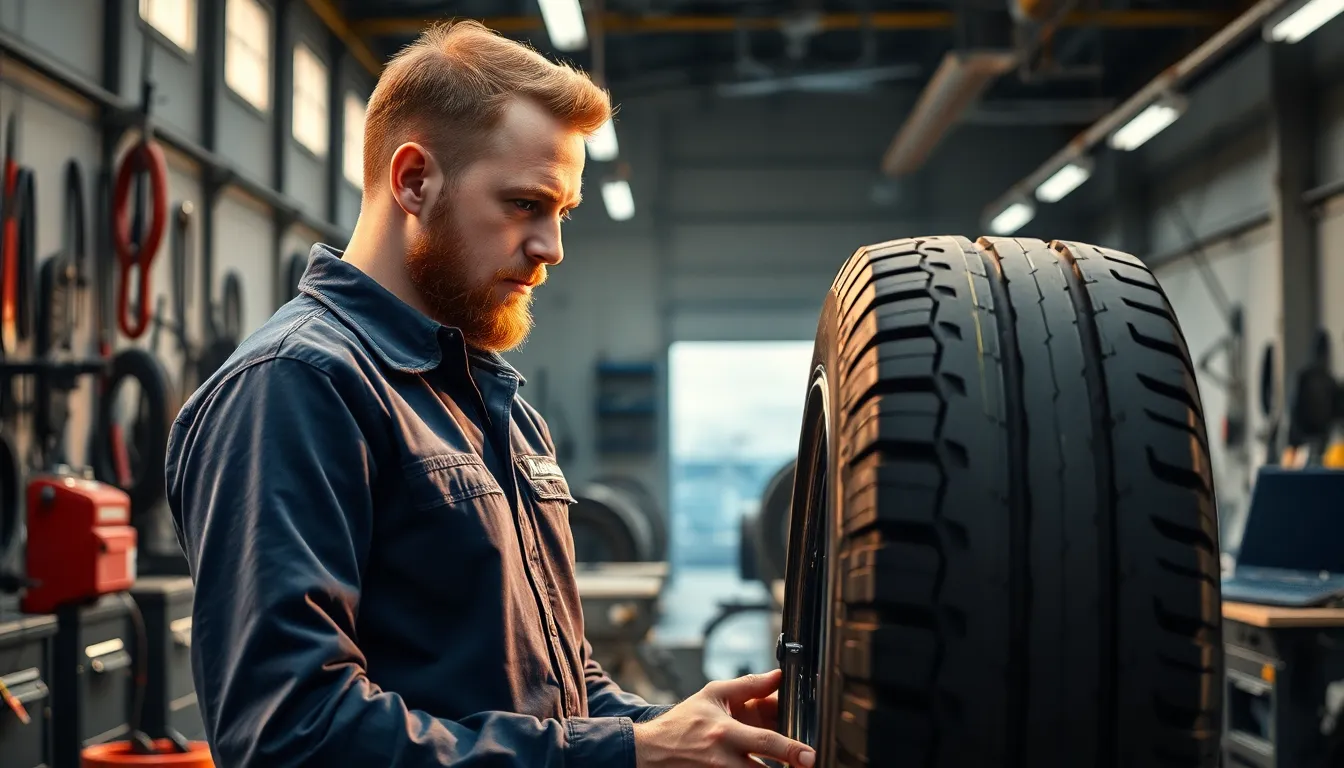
{"type": "Point", "coordinates": [450, 87]}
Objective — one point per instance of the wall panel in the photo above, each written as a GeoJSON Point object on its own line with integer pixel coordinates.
{"type": "Point", "coordinates": [244, 244]}
{"type": "Point", "coordinates": [71, 31]}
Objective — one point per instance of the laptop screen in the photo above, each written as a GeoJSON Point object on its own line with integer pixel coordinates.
{"type": "Point", "coordinates": [1296, 520]}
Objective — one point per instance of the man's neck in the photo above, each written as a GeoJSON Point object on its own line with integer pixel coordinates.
{"type": "Point", "coordinates": [373, 251]}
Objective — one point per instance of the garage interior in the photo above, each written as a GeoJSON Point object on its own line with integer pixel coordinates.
{"type": "Point", "coordinates": [757, 146]}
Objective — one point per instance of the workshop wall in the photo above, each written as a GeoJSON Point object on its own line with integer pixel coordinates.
{"type": "Point", "coordinates": [1247, 269]}
{"type": "Point", "coordinates": [1213, 168]}
{"type": "Point", "coordinates": [245, 244]}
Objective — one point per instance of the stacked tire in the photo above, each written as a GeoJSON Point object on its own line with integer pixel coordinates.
{"type": "Point", "coordinates": [1003, 544]}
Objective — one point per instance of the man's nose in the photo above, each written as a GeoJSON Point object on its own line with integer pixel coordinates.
{"type": "Point", "coordinates": [545, 245]}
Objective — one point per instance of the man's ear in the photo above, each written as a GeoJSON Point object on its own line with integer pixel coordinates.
{"type": "Point", "coordinates": [415, 179]}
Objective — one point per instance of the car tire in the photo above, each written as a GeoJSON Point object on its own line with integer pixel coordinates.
{"type": "Point", "coordinates": [1003, 544]}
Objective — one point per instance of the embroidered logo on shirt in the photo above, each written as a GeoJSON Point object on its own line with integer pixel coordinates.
{"type": "Point", "coordinates": [542, 467]}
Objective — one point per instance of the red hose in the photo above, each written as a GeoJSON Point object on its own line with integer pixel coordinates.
{"type": "Point", "coordinates": [144, 156]}
{"type": "Point", "coordinates": [9, 248]}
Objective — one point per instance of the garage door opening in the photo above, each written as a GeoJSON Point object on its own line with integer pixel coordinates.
{"type": "Point", "coordinates": [734, 414]}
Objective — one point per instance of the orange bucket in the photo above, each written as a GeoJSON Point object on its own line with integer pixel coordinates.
{"type": "Point", "coordinates": [118, 753]}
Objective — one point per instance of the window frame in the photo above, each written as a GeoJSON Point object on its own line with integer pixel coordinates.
{"type": "Point", "coordinates": [188, 48]}
{"type": "Point", "coordinates": [349, 154]}
{"type": "Point", "coordinates": [266, 55]}
{"type": "Point", "coordinates": [299, 95]}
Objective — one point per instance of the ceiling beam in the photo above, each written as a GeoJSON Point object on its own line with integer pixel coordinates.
{"type": "Point", "coordinates": [331, 16]}
{"type": "Point", "coordinates": [622, 24]}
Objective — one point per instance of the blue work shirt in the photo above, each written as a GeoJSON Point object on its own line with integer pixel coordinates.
{"type": "Point", "coordinates": [378, 533]}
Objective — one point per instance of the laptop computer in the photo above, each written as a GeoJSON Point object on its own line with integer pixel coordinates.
{"type": "Point", "coordinates": [1292, 550]}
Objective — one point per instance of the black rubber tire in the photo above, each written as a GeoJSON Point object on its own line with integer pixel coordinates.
{"type": "Point", "coordinates": [648, 505]}
{"type": "Point", "coordinates": [772, 531]}
{"type": "Point", "coordinates": [147, 487]}
{"type": "Point", "coordinates": [1023, 529]}
{"type": "Point", "coordinates": [608, 527]}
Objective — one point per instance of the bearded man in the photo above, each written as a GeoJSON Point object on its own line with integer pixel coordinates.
{"type": "Point", "coordinates": [373, 517]}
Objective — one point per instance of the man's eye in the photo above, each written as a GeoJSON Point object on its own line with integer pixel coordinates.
{"type": "Point", "coordinates": [526, 205]}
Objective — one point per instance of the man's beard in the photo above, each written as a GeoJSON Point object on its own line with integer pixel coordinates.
{"type": "Point", "coordinates": [437, 265]}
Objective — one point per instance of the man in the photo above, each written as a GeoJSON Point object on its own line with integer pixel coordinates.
{"type": "Point", "coordinates": [374, 519]}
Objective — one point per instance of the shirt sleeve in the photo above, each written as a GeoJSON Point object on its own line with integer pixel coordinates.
{"type": "Point", "coordinates": [269, 484]}
{"type": "Point", "coordinates": [605, 697]}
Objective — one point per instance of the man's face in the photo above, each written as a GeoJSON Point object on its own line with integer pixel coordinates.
{"type": "Point", "coordinates": [490, 235]}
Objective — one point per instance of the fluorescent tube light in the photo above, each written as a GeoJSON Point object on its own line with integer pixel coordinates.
{"type": "Point", "coordinates": [602, 144]}
{"type": "Point", "coordinates": [1063, 181]}
{"type": "Point", "coordinates": [1151, 121]}
{"type": "Point", "coordinates": [1305, 20]}
{"type": "Point", "coordinates": [1012, 218]}
{"type": "Point", "coordinates": [619, 200]}
{"type": "Point", "coordinates": [564, 24]}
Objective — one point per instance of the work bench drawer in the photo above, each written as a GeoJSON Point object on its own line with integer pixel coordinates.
{"type": "Point", "coordinates": [25, 669]}
{"type": "Point", "coordinates": [170, 701]}
{"type": "Point", "coordinates": [95, 666]}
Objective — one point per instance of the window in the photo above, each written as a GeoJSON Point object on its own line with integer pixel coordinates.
{"type": "Point", "coordinates": [354, 139]}
{"type": "Point", "coordinates": [311, 126]}
{"type": "Point", "coordinates": [247, 52]}
{"type": "Point", "coordinates": [174, 19]}
{"type": "Point", "coordinates": [728, 439]}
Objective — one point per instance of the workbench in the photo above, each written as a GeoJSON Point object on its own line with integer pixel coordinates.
{"type": "Point", "coordinates": [1279, 664]}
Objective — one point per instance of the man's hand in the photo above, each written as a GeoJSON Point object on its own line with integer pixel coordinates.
{"type": "Point", "coordinates": [723, 725]}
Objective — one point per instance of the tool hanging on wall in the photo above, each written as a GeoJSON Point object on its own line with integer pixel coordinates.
{"type": "Point", "coordinates": [61, 282]}
{"type": "Point", "coordinates": [18, 246]}
{"type": "Point", "coordinates": [136, 249]}
{"type": "Point", "coordinates": [136, 468]}
{"type": "Point", "coordinates": [1272, 434]}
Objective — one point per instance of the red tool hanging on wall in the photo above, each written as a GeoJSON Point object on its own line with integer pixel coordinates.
{"type": "Point", "coordinates": [136, 250]}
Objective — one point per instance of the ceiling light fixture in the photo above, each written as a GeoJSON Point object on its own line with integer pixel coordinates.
{"type": "Point", "coordinates": [564, 24]}
{"type": "Point", "coordinates": [1307, 18]}
{"type": "Point", "coordinates": [618, 199]}
{"type": "Point", "coordinates": [1151, 121]}
{"type": "Point", "coordinates": [1012, 218]}
{"type": "Point", "coordinates": [602, 144]}
{"type": "Point", "coordinates": [1064, 181]}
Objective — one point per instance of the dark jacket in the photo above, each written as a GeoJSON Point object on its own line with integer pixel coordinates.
{"type": "Point", "coordinates": [378, 533]}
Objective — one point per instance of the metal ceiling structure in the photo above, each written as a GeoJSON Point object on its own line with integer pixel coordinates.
{"type": "Point", "coordinates": [1060, 62]}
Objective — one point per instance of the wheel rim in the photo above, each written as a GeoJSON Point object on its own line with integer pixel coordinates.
{"type": "Point", "coordinates": [804, 648]}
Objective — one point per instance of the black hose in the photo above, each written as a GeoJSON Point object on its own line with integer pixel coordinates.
{"type": "Point", "coordinates": [26, 194]}
{"type": "Point", "coordinates": [149, 441]}
{"type": "Point", "coordinates": [11, 496]}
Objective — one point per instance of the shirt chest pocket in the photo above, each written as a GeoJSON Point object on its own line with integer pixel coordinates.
{"type": "Point", "coordinates": [452, 526]}
{"type": "Point", "coordinates": [449, 480]}
{"type": "Point", "coordinates": [454, 501]}
{"type": "Point", "coordinates": [548, 492]}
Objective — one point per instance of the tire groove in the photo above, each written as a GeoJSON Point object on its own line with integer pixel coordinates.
{"type": "Point", "coordinates": [1019, 506]}
{"type": "Point", "coordinates": [1095, 380]}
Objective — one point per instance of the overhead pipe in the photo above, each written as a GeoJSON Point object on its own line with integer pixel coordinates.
{"type": "Point", "coordinates": [1171, 78]}
{"type": "Point", "coordinates": [621, 24]}
{"type": "Point", "coordinates": [958, 83]}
